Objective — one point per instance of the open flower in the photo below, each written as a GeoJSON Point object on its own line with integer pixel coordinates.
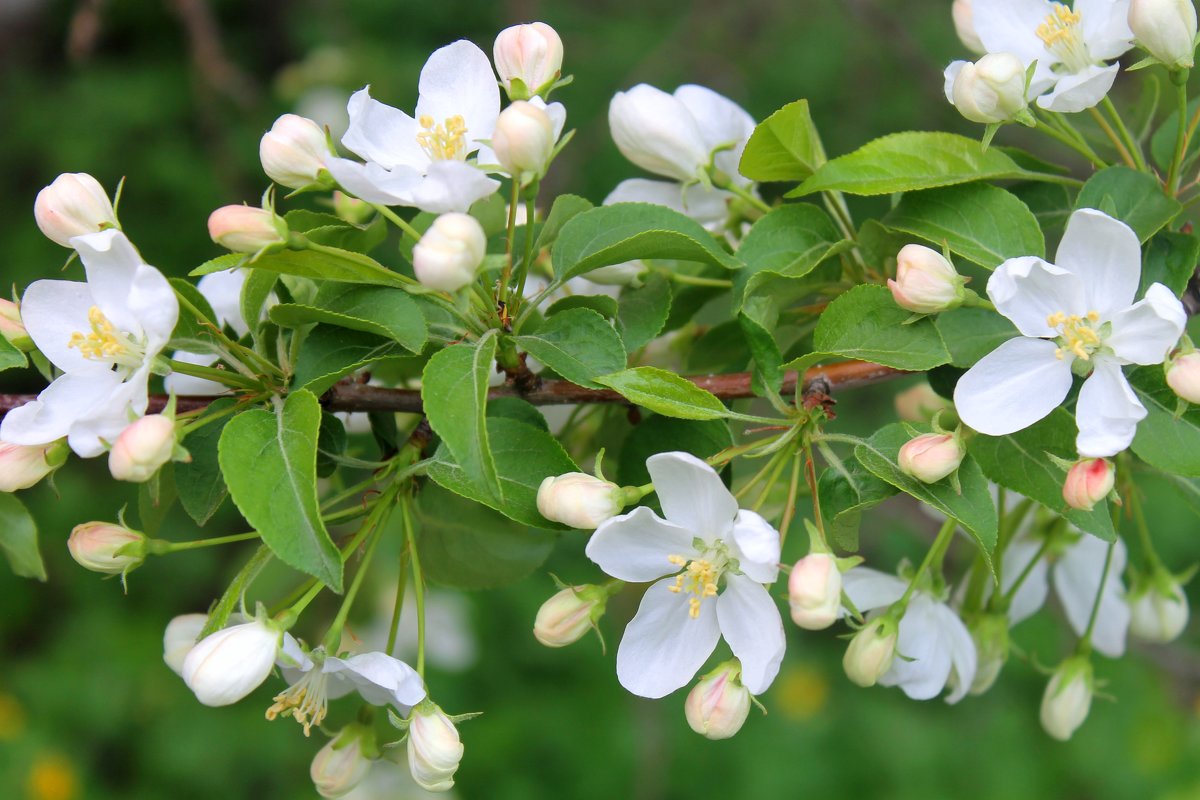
{"type": "Point", "coordinates": [104, 335]}
{"type": "Point", "coordinates": [422, 162]}
{"type": "Point", "coordinates": [1078, 315]}
{"type": "Point", "coordinates": [1069, 45]}
{"type": "Point", "coordinates": [716, 559]}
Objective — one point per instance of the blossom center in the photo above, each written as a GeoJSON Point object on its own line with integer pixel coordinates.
{"type": "Point", "coordinates": [1077, 335]}
{"type": "Point", "coordinates": [445, 141]}
{"type": "Point", "coordinates": [305, 701]}
{"type": "Point", "coordinates": [1061, 32]}
{"type": "Point", "coordinates": [699, 576]}
{"type": "Point", "coordinates": [106, 343]}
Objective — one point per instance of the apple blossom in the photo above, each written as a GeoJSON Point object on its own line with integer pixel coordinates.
{"type": "Point", "coordinates": [815, 591]}
{"type": "Point", "coordinates": [964, 26]}
{"type": "Point", "coordinates": [180, 637]}
{"type": "Point", "coordinates": [1159, 609]}
{"type": "Point", "coordinates": [245, 229]}
{"type": "Point", "coordinates": [925, 282]}
{"type": "Point", "coordinates": [528, 59]}
{"type": "Point", "coordinates": [98, 546]}
{"type": "Point", "coordinates": [569, 614]}
{"type": "Point", "coordinates": [294, 151]}
{"type": "Point", "coordinates": [523, 140]}
{"type": "Point", "coordinates": [989, 632]}
{"type": "Point", "coordinates": [1088, 482]}
{"type": "Point", "coordinates": [22, 466]}
{"type": "Point", "coordinates": [717, 706]}
{"type": "Point", "coordinates": [871, 652]}
{"type": "Point", "coordinates": [1166, 29]}
{"type": "Point", "coordinates": [75, 204]}
{"type": "Point", "coordinates": [579, 500]}
{"type": "Point", "coordinates": [931, 457]}
{"type": "Point", "coordinates": [434, 748]}
{"type": "Point", "coordinates": [227, 665]}
{"type": "Point", "coordinates": [450, 252]}
{"type": "Point", "coordinates": [1183, 376]}
{"type": "Point", "coordinates": [341, 765]}
{"type": "Point", "coordinates": [990, 91]}
{"type": "Point", "coordinates": [142, 448]}
{"type": "Point", "coordinates": [1068, 698]}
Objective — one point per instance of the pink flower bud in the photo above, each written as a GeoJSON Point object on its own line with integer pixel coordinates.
{"type": "Point", "coordinates": [293, 152]}
{"type": "Point", "coordinates": [21, 466]}
{"type": "Point", "coordinates": [1068, 698]}
{"type": "Point", "coordinates": [931, 456]}
{"type": "Point", "coordinates": [1088, 482]}
{"type": "Point", "coordinates": [11, 326]}
{"type": "Point", "coordinates": [717, 707]}
{"type": "Point", "coordinates": [921, 404]}
{"type": "Point", "coordinates": [523, 140]}
{"type": "Point", "coordinates": [815, 591]}
{"type": "Point", "coordinates": [340, 765]}
{"type": "Point", "coordinates": [434, 748]}
{"type": "Point", "coordinates": [245, 229]}
{"type": "Point", "coordinates": [531, 54]}
{"type": "Point", "coordinates": [964, 26]}
{"type": "Point", "coordinates": [142, 448]}
{"type": "Point", "coordinates": [871, 652]}
{"type": "Point", "coordinates": [450, 252]}
{"type": "Point", "coordinates": [95, 546]}
{"type": "Point", "coordinates": [1183, 376]}
{"type": "Point", "coordinates": [578, 500]}
{"type": "Point", "coordinates": [74, 205]}
{"type": "Point", "coordinates": [569, 614]}
{"type": "Point", "coordinates": [926, 282]}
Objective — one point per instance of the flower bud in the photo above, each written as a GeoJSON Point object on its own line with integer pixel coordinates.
{"type": "Point", "coordinates": [12, 328]}
{"type": "Point", "coordinates": [340, 765]}
{"type": "Point", "coordinates": [434, 748]}
{"type": "Point", "coordinates": [450, 252]}
{"type": "Point", "coordinates": [245, 229]}
{"type": "Point", "coordinates": [926, 282]}
{"type": "Point", "coordinates": [815, 591]}
{"type": "Point", "coordinates": [579, 500]}
{"type": "Point", "coordinates": [523, 140]}
{"type": "Point", "coordinates": [569, 614]}
{"type": "Point", "coordinates": [530, 54]}
{"type": "Point", "coordinates": [1068, 698]}
{"type": "Point", "coordinates": [180, 637]}
{"type": "Point", "coordinates": [871, 652]}
{"type": "Point", "coordinates": [227, 665]}
{"type": "Point", "coordinates": [351, 209]}
{"type": "Point", "coordinates": [74, 205]}
{"type": "Point", "coordinates": [1166, 29]}
{"type": "Point", "coordinates": [717, 706]}
{"type": "Point", "coordinates": [648, 126]}
{"type": "Point", "coordinates": [293, 152]}
{"type": "Point", "coordinates": [95, 546]}
{"type": "Point", "coordinates": [1183, 376]}
{"type": "Point", "coordinates": [921, 404]}
{"type": "Point", "coordinates": [21, 466]}
{"type": "Point", "coordinates": [990, 634]}
{"type": "Point", "coordinates": [991, 90]}
{"type": "Point", "coordinates": [1088, 482]}
{"type": "Point", "coordinates": [964, 26]}
{"type": "Point", "coordinates": [142, 448]}
{"type": "Point", "coordinates": [931, 456]}
{"type": "Point", "coordinates": [1159, 610]}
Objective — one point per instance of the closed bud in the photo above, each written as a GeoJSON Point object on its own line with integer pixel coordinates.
{"type": "Point", "coordinates": [569, 614]}
{"type": "Point", "coordinates": [434, 748]}
{"type": "Point", "coordinates": [293, 152]}
{"type": "Point", "coordinates": [450, 252]}
{"type": "Point", "coordinates": [992, 90]}
{"type": "Point", "coordinates": [351, 209]}
{"type": "Point", "coordinates": [921, 404]}
{"type": "Point", "coordinates": [1183, 376]}
{"type": "Point", "coordinates": [964, 26]}
{"type": "Point", "coordinates": [528, 59]}
{"type": "Point", "coordinates": [245, 229]}
{"type": "Point", "coordinates": [142, 448]}
{"type": "Point", "coordinates": [21, 466]}
{"type": "Point", "coordinates": [340, 765]}
{"type": "Point", "coordinates": [1068, 698]}
{"type": "Point", "coordinates": [523, 140]}
{"type": "Point", "coordinates": [1166, 29]}
{"type": "Point", "coordinates": [1088, 482]}
{"type": "Point", "coordinates": [990, 634]}
{"type": "Point", "coordinates": [579, 500]}
{"type": "Point", "coordinates": [815, 591]}
{"type": "Point", "coordinates": [180, 637]}
{"type": "Point", "coordinates": [227, 665]}
{"type": "Point", "coordinates": [74, 205]}
{"type": "Point", "coordinates": [11, 326]}
{"type": "Point", "coordinates": [98, 546]}
{"type": "Point", "coordinates": [717, 706]}
{"type": "Point", "coordinates": [648, 127]}
{"type": "Point", "coordinates": [1159, 610]}
{"type": "Point", "coordinates": [871, 652]}
{"type": "Point", "coordinates": [931, 456]}
{"type": "Point", "coordinates": [925, 282]}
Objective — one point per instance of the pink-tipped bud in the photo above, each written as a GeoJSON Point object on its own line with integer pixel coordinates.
{"type": "Point", "coordinates": [523, 140]}
{"type": "Point", "coordinates": [717, 706]}
{"type": "Point", "coordinates": [1068, 698]}
{"type": "Point", "coordinates": [926, 282]}
{"type": "Point", "coordinates": [74, 205]}
{"type": "Point", "coordinates": [871, 652]}
{"type": "Point", "coordinates": [450, 252]}
{"type": "Point", "coordinates": [293, 152]}
{"type": "Point", "coordinates": [579, 500]}
{"type": "Point", "coordinates": [964, 26]}
{"type": "Point", "coordinates": [21, 466]}
{"type": "Point", "coordinates": [245, 229]}
{"type": "Point", "coordinates": [1088, 482]}
{"type": "Point", "coordinates": [142, 448]}
{"type": "Point", "coordinates": [1183, 376]}
{"type": "Point", "coordinates": [569, 614]}
{"type": "Point", "coordinates": [815, 591]}
{"type": "Point", "coordinates": [97, 546]}
{"type": "Point", "coordinates": [931, 456]}
{"type": "Point", "coordinates": [340, 765]}
{"type": "Point", "coordinates": [528, 59]}
{"type": "Point", "coordinates": [921, 404]}
{"type": "Point", "coordinates": [434, 748]}
{"type": "Point", "coordinates": [11, 326]}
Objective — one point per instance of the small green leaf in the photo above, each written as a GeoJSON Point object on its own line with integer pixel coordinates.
{"type": "Point", "coordinates": [327, 264]}
{"type": "Point", "coordinates": [566, 207]}
{"type": "Point", "coordinates": [330, 352]}
{"type": "Point", "coordinates": [336, 232]}
{"type": "Point", "coordinates": [189, 327]}
{"type": "Point", "coordinates": [1172, 445]}
{"type": "Point", "coordinates": [642, 313]}
{"type": "Point", "coordinates": [665, 393]}
{"type": "Point", "coordinates": [390, 313]}
{"type": "Point", "coordinates": [790, 241]}
{"type": "Point", "coordinates": [784, 147]}
{"type": "Point", "coordinates": [255, 292]}
{"type": "Point", "coordinates": [658, 434]}
{"type": "Point", "coordinates": [602, 304]}
{"type": "Point", "coordinates": [11, 357]}
{"type": "Point", "coordinates": [19, 539]}
{"type": "Point", "coordinates": [1170, 259]}
{"type": "Point", "coordinates": [578, 344]}
{"type": "Point", "coordinates": [843, 501]}
{"type": "Point", "coordinates": [199, 482]}
{"type": "Point", "coordinates": [866, 324]}
{"type": "Point", "coordinates": [1135, 198]}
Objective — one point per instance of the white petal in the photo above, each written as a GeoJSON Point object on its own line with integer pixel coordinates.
{"type": "Point", "coordinates": [635, 546]}
{"type": "Point", "coordinates": [223, 291]}
{"type": "Point", "coordinates": [373, 183]}
{"type": "Point", "coordinates": [963, 658]}
{"type": "Point", "coordinates": [101, 424]}
{"type": "Point", "coordinates": [111, 263]}
{"type": "Point", "coordinates": [1077, 578]}
{"type": "Point", "coordinates": [186, 385]}
{"type": "Point", "coordinates": [1011, 26]}
{"type": "Point", "coordinates": [1027, 290]}
{"type": "Point", "coordinates": [656, 131]}
{"type": "Point", "coordinates": [922, 664]}
{"type": "Point", "coordinates": [751, 624]}
{"type": "Point", "coordinates": [152, 301]}
{"type": "Point", "coordinates": [951, 75]}
{"type": "Point", "coordinates": [709, 207]}
{"type": "Point", "coordinates": [291, 655]}
{"type": "Point", "coordinates": [1105, 27]}
{"type": "Point", "coordinates": [756, 543]}
{"type": "Point", "coordinates": [382, 134]}
{"type": "Point", "coordinates": [869, 588]}
{"type": "Point", "coordinates": [1031, 595]}
{"type": "Point", "coordinates": [51, 415]}
{"type": "Point", "coordinates": [1080, 91]}
{"type": "Point", "coordinates": [1012, 387]}
{"type": "Point", "coordinates": [721, 123]}
{"type": "Point", "coordinates": [1148, 330]}
{"type": "Point", "coordinates": [692, 495]}
{"type": "Point", "coordinates": [52, 312]}
{"type": "Point", "coordinates": [452, 186]}
{"type": "Point", "coordinates": [1107, 412]}
{"type": "Point", "coordinates": [1105, 255]}
{"type": "Point", "coordinates": [379, 678]}
{"type": "Point", "coordinates": [663, 646]}
{"type": "Point", "coordinates": [458, 80]}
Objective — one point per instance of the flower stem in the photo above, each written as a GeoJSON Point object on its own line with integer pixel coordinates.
{"type": "Point", "coordinates": [789, 508]}
{"type": "Point", "coordinates": [1139, 517]}
{"type": "Point", "coordinates": [695, 280]}
{"type": "Point", "coordinates": [1181, 143]}
{"type": "Point", "coordinates": [513, 204]}
{"type": "Point", "coordinates": [418, 585]}
{"type": "Point", "coordinates": [223, 376]}
{"type": "Point", "coordinates": [161, 547]}
{"type": "Point", "coordinates": [1078, 146]}
{"type": "Point", "coordinates": [527, 262]}
{"type": "Point", "coordinates": [1085, 644]}
{"type": "Point", "coordinates": [333, 637]}
{"type": "Point", "coordinates": [934, 557]}
{"type": "Point", "coordinates": [1134, 148]}
{"type": "Point", "coordinates": [398, 221]}
{"type": "Point", "coordinates": [401, 585]}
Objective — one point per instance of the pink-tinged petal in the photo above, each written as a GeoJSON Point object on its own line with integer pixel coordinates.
{"type": "Point", "coordinates": [1028, 290]}
{"type": "Point", "coordinates": [663, 645]}
{"type": "Point", "coordinates": [922, 664]}
{"type": "Point", "coordinates": [57, 408]}
{"type": "Point", "coordinates": [692, 495]}
{"type": "Point", "coordinates": [751, 624]}
{"type": "Point", "coordinates": [1107, 412]}
{"type": "Point", "coordinates": [1014, 386]}
{"type": "Point", "coordinates": [457, 80]}
{"type": "Point", "coordinates": [721, 123]}
{"type": "Point", "coordinates": [53, 311]}
{"type": "Point", "coordinates": [381, 134]}
{"type": "Point", "coordinates": [379, 678]}
{"type": "Point", "coordinates": [1105, 27]}
{"type": "Point", "coordinates": [636, 546]}
{"type": "Point", "coordinates": [1077, 577]}
{"type": "Point", "coordinates": [1079, 91]}
{"type": "Point", "coordinates": [1031, 595]}
{"type": "Point", "coordinates": [1148, 330]}
{"type": "Point", "coordinates": [1105, 255]}
{"type": "Point", "coordinates": [963, 658]}
{"type": "Point", "coordinates": [1010, 26]}
{"type": "Point", "coordinates": [756, 543]}
{"type": "Point", "coordinates": [452, 186]}
{"type": "Point", "coordinates": [373, 183]}
{"type": "Point", "coordinates": [111, 263]}
{"type": "Point", "coordinates": [100, 425]}
{"type": "Point", "coordinates": [869, 588]}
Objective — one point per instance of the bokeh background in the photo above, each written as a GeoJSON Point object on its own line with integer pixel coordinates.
{"type": "Point", "coordinates": [173, 95]}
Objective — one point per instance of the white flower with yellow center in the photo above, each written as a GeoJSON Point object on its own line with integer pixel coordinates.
{"type": "Point", "coordinates": [422, 161]}
{"type": "Point", "coordinates": [1071, 45]}
{"type": "Point", "coordinates": [1077, 316]}
{"type": "Point", "coordinates": [716, 559]}
{"type": "Point", "coordinates": [104, 335]}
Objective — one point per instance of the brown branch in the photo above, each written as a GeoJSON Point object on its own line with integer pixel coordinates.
{"type": "Point", "coordinates": [359, 397]}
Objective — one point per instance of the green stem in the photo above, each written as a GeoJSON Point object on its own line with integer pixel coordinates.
{"type": "Point", "coordinates": [1113, 137]}
{"type": "Point", "coordinates": [1139, 518]}
{"type": "Point", "coordinates": [746, 195]}
{"type": "Point", "coordinates": [1130, 142]}
{"type": "Point", "coordinates": [789, 509]}
{"type": "Point", "coordinates": [935, 555]}
{"type": "Point", "coordinates": [695, 280]}
{"type": "Point", "coordinates": [418, 586]}
{"type": "Point", "coordinates": [1003, 604]}
{"type": "Point", "coordinates": [1085, 644]}
{"type": "Point", "coordinates": [527, 262]}
{"type": "Point", "coordinates": [398, 221]}
{"type": "Point", "coordinates": [778, 462]}
{"type": "Point", "coordinates": [161, 547]}
{"type": "Point", "coordinates": [401, 585]}
{"type": "Point", "coordinates": [223, 376]}
{"type": "Point", "coordinates": [1078, 146]}
{"type": "Point", "coordinates": [513, 205]}
{"type": "Point", "coordinates": [1181, 143]}
{"type": "Point", "coordinates": [333, 638]}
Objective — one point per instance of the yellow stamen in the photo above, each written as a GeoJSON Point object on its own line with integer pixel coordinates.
{"type": "Point", "coordinates": [699, 578]}
{"type": "Point", "coordinates": [1061, 33]}
{"type": "Point", "coordinates": [104, 343]}
{"type": "Point", "coordinates": [305, 701]}
{"type": "Point", "coordinates": [444, 142]}
{"type": "Point", "coordinates": [1077, 334]}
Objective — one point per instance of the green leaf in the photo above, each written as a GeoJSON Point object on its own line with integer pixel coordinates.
{"type": "Point", "coordinates": [978, 221]}
{"type": "Point", "coordinates": [642, 313]}
{"type": "Point", "coordinates": [465, 545]}
{"type": "Point", "coordinates": [658, 434]}
{"type": "Point", "coordinates": [327, 264]}
{"type": "Point", "coordinates": [757, 319]}
{"type": "Point", "coordinates": [331, 444]}
{"type": "Point", "coordinates": [1172, 445]}
{"type": "Point", "coordinates": [843, 501]}
{"type": "Point", "coordinates": [1135, 198]}
{"type": "Point", "coordinates": [155, 498]}
{"type": "Point", "coordinates": [665, 393]}
{"type": "Point", "coordinates": [904, 162]}
{"type": "Point", "coordinates": [255, 292]}
{"type": "Point", "coordinates": [784, 147]}
{"type": "Point", "coordinates": [578, 344]}
{"type": "Point", "coordinates": [972, 333]}
{"type": "Point", "coordinates": [525, 456]}
{"type": "Point", "coordinates": [1170, 259]}
{"type": "Point", "coordinates": [518, 409]}
{"type": "Point", "coordinates": [1020, 462]}
{"type": "Point", "coordinates": [973, 508]}
{"type": "Point", "coordinates": [189, 327]}
{"type": "Point", "coordinates": [1051, 204]}
{"type": "Point", "coordinates": [330, 352]}
{"type": "Point", "coordinates": [602, 304]}
{"type": "Point", "coordinates": [454, 389]}
{"type": "Point", "coordinates": [865, 323]}
{"type": "Point", "coordinates": [629, 231]}
{"type": "Point", "coordinates": [1162, 146]}
{"type": "Point", "coordinates": [199, 482]}
{"type": "Point", "coordinates": [328, 229]}
{"type": "Point", "coordinates": [385, 312]}
{"type": "Point", "coordinates": [269, 460]}
{"type": "Point", "coordinates": [790, 241]}
{"type": "Point", "coordinates": [19, 539]}
{"type": "Point", "coordinates": [11, 357]}
{"type": "Point", "coordinates": [566, 207]}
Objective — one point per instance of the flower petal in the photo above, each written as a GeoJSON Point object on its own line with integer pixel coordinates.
{"type": "Point", "coordinates": [922, 664]}
{"type": "Point", "coordinates": [663, 646]}
{"type": "Point", "coordinates": [1106, 257]}
{"type": "Point", "coordinates": [692, 495]}
{"type": "Point", "coordinates": [1027, 290]}
{"type": "Point", "coordinates": [379, 678]}
{"type": "Point", "coordinates": [951, 75]}
{"type": "Point", "coordinates": [1012, 387]}
{"type": "Point", "coordinates": [186, 385]}
{"type": "Point", "coordinates": [452, 186]}
{"type": "Point", "coordinates": [1105, 27]}
{"type": "Point", "coordinates": [757, 545]}
{"type": "Point", "coordinates": [1010, 26]}
{"type": "Point", "coordinates": [56, 409]}
{"type": "Point", "coordinates": [709, 207]}
{"type": "Point", "coordinates": [1031, 595]}
{"type": "Point", "coordinates": [751, 624]}
{"type": "Point", "coordinates": [381, 134]}
{"type": "Point", "coordinates": [1146, 332]}
{"type": "Point", "coordinates": [223, 291]}
{"type": "Point", "coordinates": [656, 131]}
{"type": "Point", "coordinates": [1107, 412]}
{"type": "Point", "coordinates": [458, 80]}
{"type": "Point", "coordinates": [111, 263]}
{"type": "Point", "coordinates": [52, 312]}
{"type": "Point", "coordinates": [373, 183]}
{"type": "Point", "coordinates": [721, 123]}
{"type": "Point", "coordinates": [153, 303]}
{"type": "Point", "coordinates": [1077, 578]}
{"type": "Point", "coordinates": [1079, 91]}
{"type": "Point", "coordinates": [635, 546]}
{"type": "Point", "coordinates": [108, 415]}
{"type": "Point", "coordinates": [869, 588]}
{"type": "Point", "coordinates": [963, 658]}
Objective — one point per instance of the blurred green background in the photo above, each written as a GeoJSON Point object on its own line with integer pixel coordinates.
{"type": "Point", "coordinates": [173, 96]}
